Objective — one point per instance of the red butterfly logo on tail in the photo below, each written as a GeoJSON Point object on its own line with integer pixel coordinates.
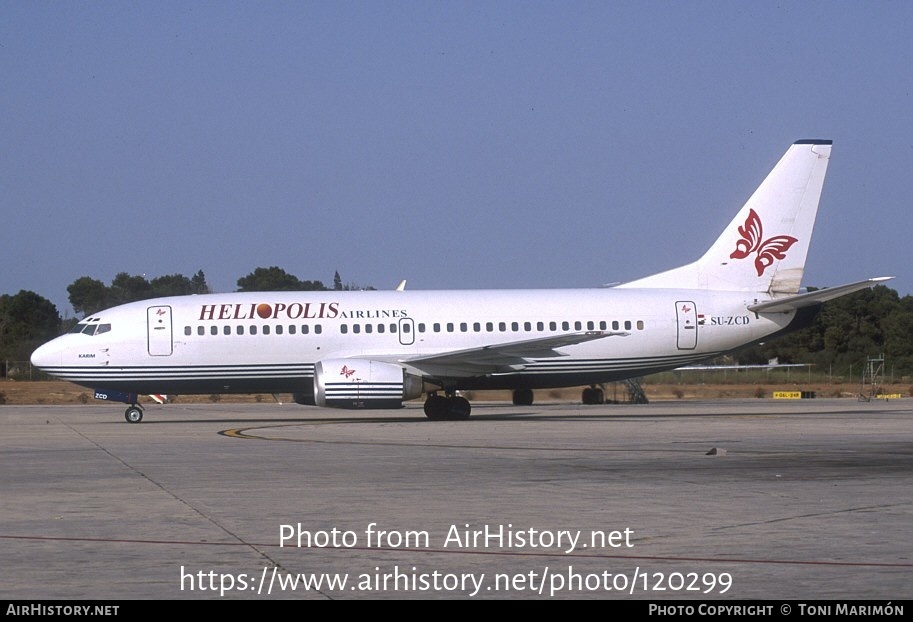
{"type": "Point", "coordinates": [767, 251]}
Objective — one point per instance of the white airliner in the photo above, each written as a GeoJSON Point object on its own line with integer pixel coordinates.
{"type": "Point", "coordinates": [377, 349]}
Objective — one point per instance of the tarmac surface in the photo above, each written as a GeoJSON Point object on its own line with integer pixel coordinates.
{"type": "Point", "coordinates": [720, 500]}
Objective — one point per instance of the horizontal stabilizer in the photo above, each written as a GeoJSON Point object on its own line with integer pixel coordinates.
{"type": "Point", "coordinates": [798, 301]}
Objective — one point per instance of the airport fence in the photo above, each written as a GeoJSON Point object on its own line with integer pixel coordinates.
{"type": "Point", "coordinates": [21, 370]}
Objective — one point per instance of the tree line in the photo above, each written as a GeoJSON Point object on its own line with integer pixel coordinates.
{"type": "Point", "coordinates": [27, 320]}
{"type": "Point", "coordinates": [844, 335]}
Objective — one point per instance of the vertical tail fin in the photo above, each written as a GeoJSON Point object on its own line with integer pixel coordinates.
{"type": "Point", "coordinates": [765, 246]}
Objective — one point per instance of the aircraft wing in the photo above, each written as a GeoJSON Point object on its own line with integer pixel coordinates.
{"type": "Point", "coordinates": [798, 301]}
{"type": "Point", "coordinates": [501, 357]}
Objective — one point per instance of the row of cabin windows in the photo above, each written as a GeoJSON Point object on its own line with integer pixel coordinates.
{"type": "Point", "coordinates": [450, 327]}
{"type": "Point", "coordinates": [501, 327]}
{"type": "Point", "coordinates": [254, 328]}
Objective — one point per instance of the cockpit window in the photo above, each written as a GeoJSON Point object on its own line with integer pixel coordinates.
{"type": "Point", "coordinates": [91, 329]}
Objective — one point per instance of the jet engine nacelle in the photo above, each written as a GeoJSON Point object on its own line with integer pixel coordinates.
{"type": "Point", "coordinates": [363, 383]}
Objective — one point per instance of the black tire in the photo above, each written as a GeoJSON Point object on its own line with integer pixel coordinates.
{"type": "Point", "coordinates": [523, 397]}
{"type": "Point", "coordinates": [133, 414]}
{"type": "Point", "coordinates": [598, 396]}
{"type": "Point", "coordinates": [436, 407]}
{"type": "Point", "coordinates": [459, 408]}
{"type": "Point", "coordinates": [587, 397]}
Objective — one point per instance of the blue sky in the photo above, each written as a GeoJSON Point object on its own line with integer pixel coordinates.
{"type": "Point", "coordinates": [453, 144]}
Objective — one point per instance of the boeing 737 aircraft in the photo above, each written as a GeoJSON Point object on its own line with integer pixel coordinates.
{"type": "Point", "coordinates": [377, 349]}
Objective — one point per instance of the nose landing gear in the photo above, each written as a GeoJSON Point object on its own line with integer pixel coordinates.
{"type": "Point", "coordinates": [133, 414]}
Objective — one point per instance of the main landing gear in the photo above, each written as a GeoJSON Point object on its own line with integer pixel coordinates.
{"type": "Point", "coordinates": [133, 414]}
{"type": "Point", "coordinates": [449, 408]}
{"type": "Point", "coordinates": [522, 397]}
{"type": "Point", "coordinates": [593, 395]}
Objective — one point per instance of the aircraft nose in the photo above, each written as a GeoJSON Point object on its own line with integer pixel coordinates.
{"type": "Point", "coordinates": [47, 355]}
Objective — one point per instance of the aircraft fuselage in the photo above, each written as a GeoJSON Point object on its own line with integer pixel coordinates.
{"type": "Point", "coordinates": [271, 341]}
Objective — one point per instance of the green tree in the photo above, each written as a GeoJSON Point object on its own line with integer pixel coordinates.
{"type": "Point", "coordinates": [88, 295]}
{"type": "Point", "coordinates": [173, 285]}
{"type": "Point", "coordinates": [275, 279]}
{"type": "Point", "coordinates": [347, 287]}
{"type": "Point", "coordinates": [126, 288]}
{"type": "Point", "coordinates": [898, 336]}
{"type": "Point", "coordinates": [26, 321]}
{"type": "Point", "coordinates": [848, 331]}
{"type": "Point", "coordinates": [198, 281]}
